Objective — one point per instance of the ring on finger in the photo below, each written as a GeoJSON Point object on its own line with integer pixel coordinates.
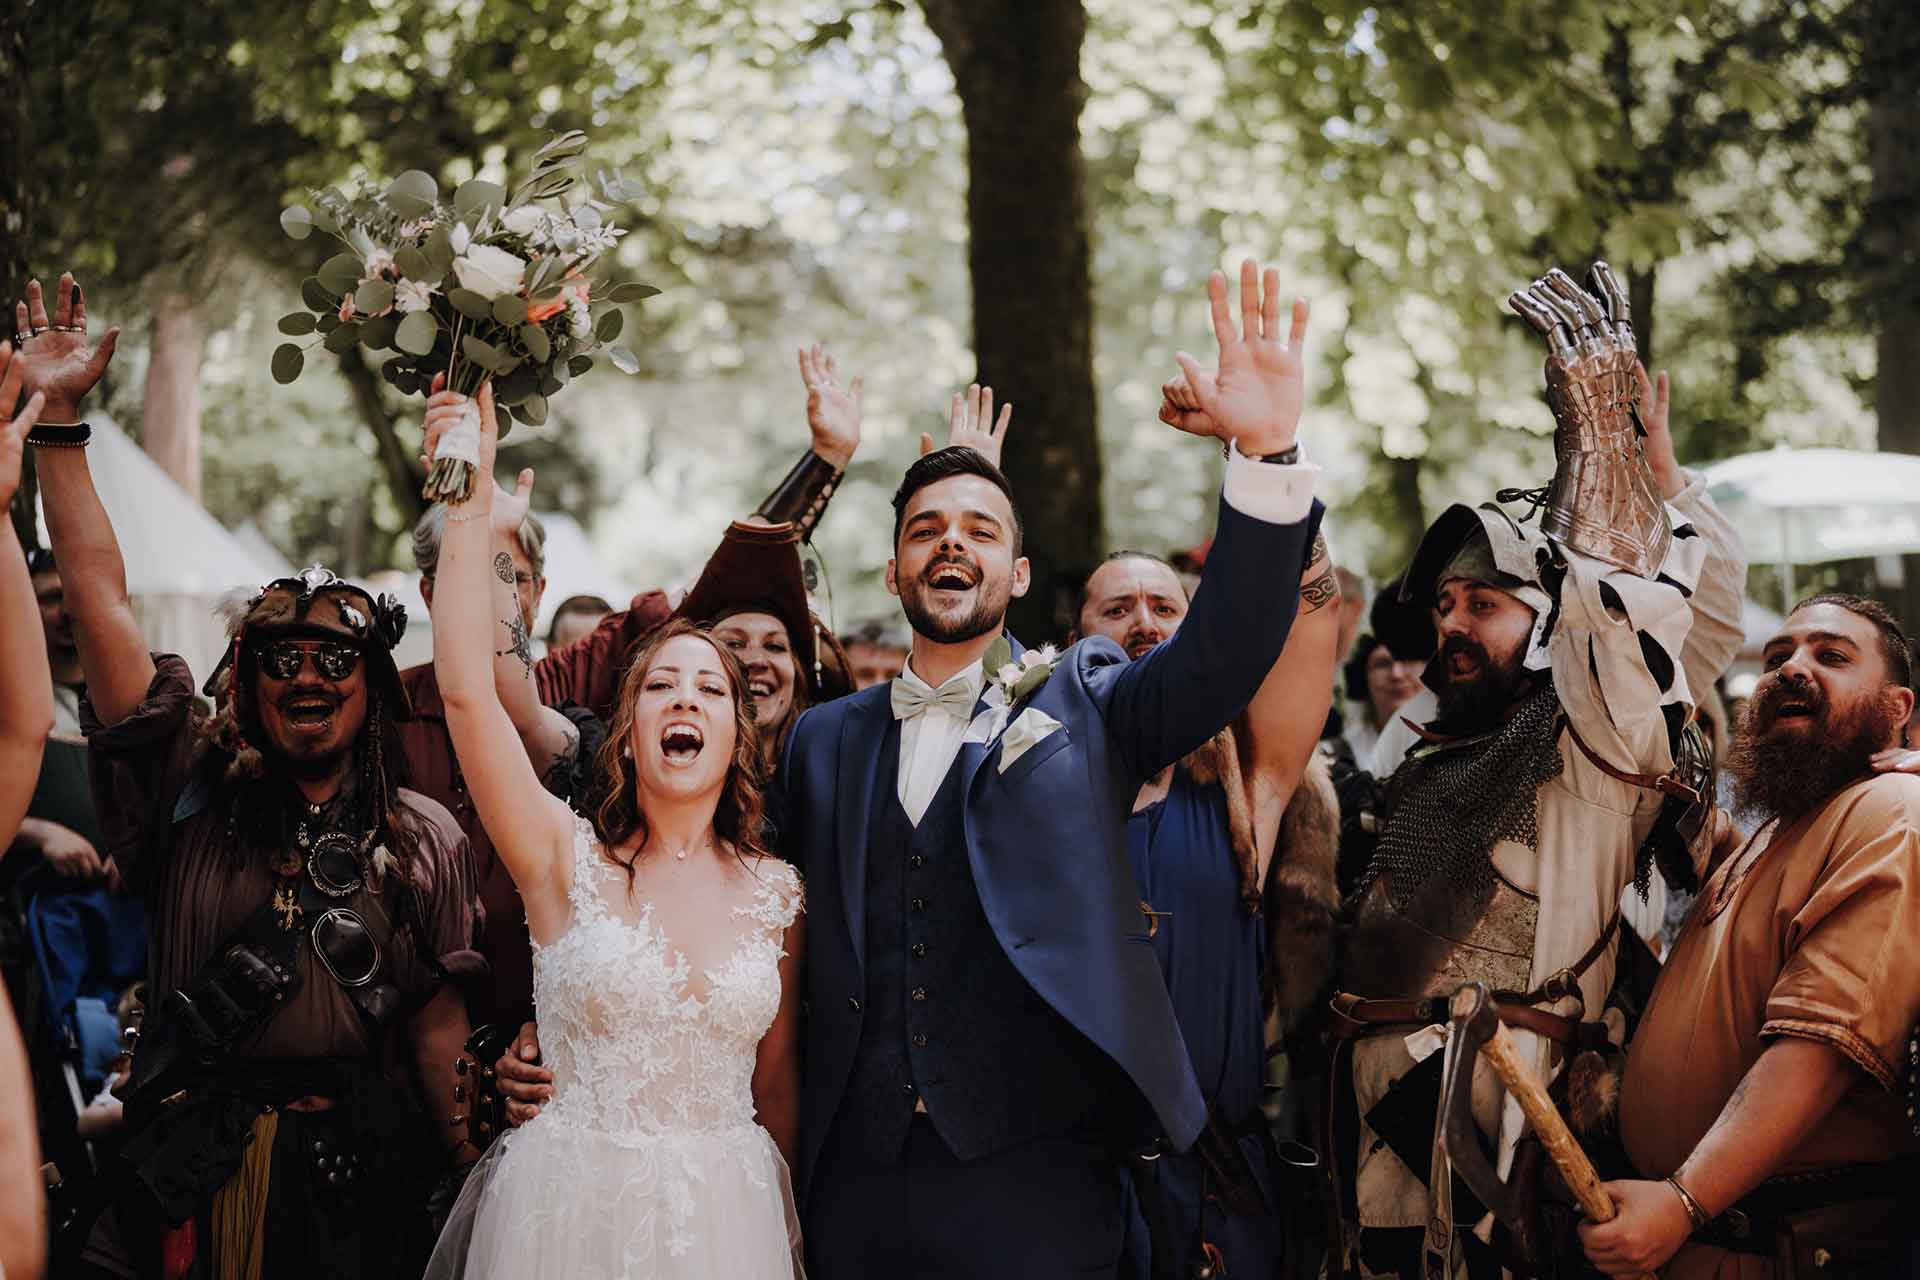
{"type": "Point", "coordinates": [69, 328]}
{"type": "Point", "coordinates": [21, 337]}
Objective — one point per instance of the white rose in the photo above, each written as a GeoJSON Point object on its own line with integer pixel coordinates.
{"type": "Point", "coordinates": [1009, 674]}
{"type": "Point", "coordinates": [524, 221]}
{"type": "Point", "coordinates": [411, 295]}
{"type": "Point", "coordinates": [581, 317]}
{"type": "Point", "coordinates": [489, 271]}
{"type": "Point", "coordinates": [379, 262]}
{"type": "Point", "coordinates": [459, 237]}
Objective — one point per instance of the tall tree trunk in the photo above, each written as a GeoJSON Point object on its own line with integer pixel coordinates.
{"type": "Point", "coordinates": [1892, 235]}
{"type": "Point", "coordinates": [404, 476]}
{"type": "Point", "coordinates": [1016, 64]}
{"type": "Point", "coordinates": [170, 429]}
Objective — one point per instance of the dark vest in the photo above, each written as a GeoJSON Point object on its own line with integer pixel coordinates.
{"type": "Point", "coordinates": [948, 1018]}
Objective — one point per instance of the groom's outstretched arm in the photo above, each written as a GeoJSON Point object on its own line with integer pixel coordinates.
{"type": "Point", "coordinates": [1169, 702]}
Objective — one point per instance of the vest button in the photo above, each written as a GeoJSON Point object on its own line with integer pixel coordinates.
{"type": "Point", "coordinates": [919, 951]}
{"type": "Point", "coordinates": [853, 1004]}
{"type": "Point", "coordinates": [920, 994]}
{"type": "Point", "coordinates": [917, 860]}
{"type": "Point", "coordinates": [919, 904]}
{"type": "Point", "coordinates": [909, 1089]}
{"type": "Point", "coordinates": [919, 1040]}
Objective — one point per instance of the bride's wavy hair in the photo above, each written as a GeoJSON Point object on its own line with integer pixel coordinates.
{"type": "Point", "coordinates": [615, 808]}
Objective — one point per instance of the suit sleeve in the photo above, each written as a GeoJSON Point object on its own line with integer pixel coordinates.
{"type": "Point", "coordinates": [1163, 706]}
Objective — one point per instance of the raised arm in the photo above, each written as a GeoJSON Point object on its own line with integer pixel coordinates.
{"type": "Point", "coordinates": [531, 829]}
{"type": "Point", "coordinates": [1170, 701]}
{"type": "Point", "coordinates": [26, 687]}
{"type": "Point", "coordinates": [59, 363]}
{"type": "Point", "coordinates": [833, 421]}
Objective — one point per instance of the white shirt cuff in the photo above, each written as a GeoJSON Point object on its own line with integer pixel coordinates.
{"type": "Point", "coordinates": [1268, 491]}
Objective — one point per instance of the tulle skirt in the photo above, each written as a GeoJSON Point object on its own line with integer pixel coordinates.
{"type": "Point", "coordinates": [559, 1199]}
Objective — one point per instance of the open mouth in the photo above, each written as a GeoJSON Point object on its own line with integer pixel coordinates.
{"type": "Point", "coordinates": [760, 684]}
{"type": "Point", "coordinates": [952, 577]}
{"type": "Point", "coordinates": [1141, 646]}
{"type": "Point", "coordinates": [1795, 711]}
{"type": "Point", "coordinates": [1462, 665]}
{"type": "Point", "coordinates": [681, 743]}
{"type": "Point", "coordinates": [308, 715]}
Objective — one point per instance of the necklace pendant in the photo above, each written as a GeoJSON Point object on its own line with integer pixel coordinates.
{"type": "Point", "coordinates": [681, 855]}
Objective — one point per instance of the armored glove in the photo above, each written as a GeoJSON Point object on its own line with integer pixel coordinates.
{"type": "Point", "coordinates": [1602, 502]}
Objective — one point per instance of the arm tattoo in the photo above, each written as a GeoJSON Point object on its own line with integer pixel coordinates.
{"type": "Point", "coordinates": [1319, 551]}
{"type": "Point", "coordinates": [557, 776]}
{"type": "Point", "coordinates": [1320, 592]}
{"type": "Point", "coordinates": [503, 568]}
{"type": "Point", "coordinates": [518, 643]}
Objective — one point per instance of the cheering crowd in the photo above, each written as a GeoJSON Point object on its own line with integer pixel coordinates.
{"type": "Point", "coordinates": [711, 943]}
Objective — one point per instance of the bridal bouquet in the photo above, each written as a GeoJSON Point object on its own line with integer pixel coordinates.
{"type": "Point", "coordinates": [475, 286]}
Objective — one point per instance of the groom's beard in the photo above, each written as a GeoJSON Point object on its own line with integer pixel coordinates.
{"type": "Point", "coordinates": [988, 611]}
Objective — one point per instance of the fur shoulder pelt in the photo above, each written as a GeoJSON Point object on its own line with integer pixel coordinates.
{"type": "Point", "coordinates": [1301, 895]}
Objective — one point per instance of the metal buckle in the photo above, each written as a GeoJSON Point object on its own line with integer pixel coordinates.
{"type": "Point", "coordinates": [342, 929]}
{"type": "Point", "coordinates": [334, 865]}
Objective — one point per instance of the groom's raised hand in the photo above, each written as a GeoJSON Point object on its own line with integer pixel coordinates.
{"type": "Point", "coordinates": [1255, 395]}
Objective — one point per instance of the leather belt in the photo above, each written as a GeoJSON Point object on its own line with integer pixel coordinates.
{"type": "Point", "coordinates": [1354, 1016]}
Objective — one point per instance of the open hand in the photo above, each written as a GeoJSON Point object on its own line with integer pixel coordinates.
{"type": "Point", "coordinates": [1655, 401]}
{"type": "Point", "coordinates": [523, 1083]}
{"type": "Point", "coordinates": [970, 424]}
{"type": "Point", "coordinates": [1650, 1226]}
{"type": "Point", "coordinates": [14, 427]}
{"type": "Point", "coordinates": [1256, 394]}
{"type": "Point", "coordinates": [833, 411]}
{"type": "Point", "coordinates": [59, 363]}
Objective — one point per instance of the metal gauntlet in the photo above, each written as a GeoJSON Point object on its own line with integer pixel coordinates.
{"type": "Point", "coordinates": [1602, 502]}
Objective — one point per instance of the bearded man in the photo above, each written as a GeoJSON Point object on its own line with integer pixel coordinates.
{"type": "Point", "coordinates": [306, 908]}
{"type": "Point", "coordinates": [1567, 654]}
{"type": "Point", "coordinates": [1760, 1097]}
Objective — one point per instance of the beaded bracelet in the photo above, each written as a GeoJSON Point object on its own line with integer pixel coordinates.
{"type": "Point", "coordinates": [60, 435]}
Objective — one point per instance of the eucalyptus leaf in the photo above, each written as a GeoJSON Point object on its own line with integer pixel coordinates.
{"type": "Point", "coordinates": [417, 333]}
{"type": "Point", "coordinates": [544, 186]}
{"type": "Point", "coordinates": [516, 386]}
{"type": "Point", "coordinates": [470, 304]}
{"type": "Point", "coordinates": [623, 360]}
{"type": "Point", "coordinates": [509, 308]}
{"type": "Point", "coordinates": [503, 420]}
{"type": "Point", "coordinates": [535, 340]}
{"type": "Point", "coordinates": [288, 360]}
{"type": "Point", "coordinates": [481, 352]}
{"type": "Point", "coordinates": [296, 222]}
{"type": "Point", "coordinates": [316, 296]}
{"type": "Point", "coordinates": [578, 365]}
{"type": "Point", "coordinates": [630, 291]}
{"type": "Point", "coordinates": [439, 251]}
{"type": "Point", "coordinates": [413, 194]}
{"type": "Point", "coordinates": [341, 273]}
{"type": "Point", "coordinates": [324, 221]}
{"type": "Point", "coordinates": [413, 264]}
{"type": "Point", "coordinates": [475, 196]}
{"type": "Point", "coordinates": [373, 297]}
{"type": "Point", "coordinates": [608, 326]}
{"type": "Point", "coordinates": [533, 409]}
{"type": "Point", "coordinates": [572, 142]}
{"type": "Point", "coordinates": [327, 321]}
{"type": "Point", "coordinates": [342, 338]}
{"type": "Point", "coordinates": [296, 323]}
{"type": "Point", "coordinates": [553, 378]}
{"type": "Point", "coordinates": [378, 332]}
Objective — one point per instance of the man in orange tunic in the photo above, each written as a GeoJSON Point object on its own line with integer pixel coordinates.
{"type": "Point", "coordinates": [1762, 1094]}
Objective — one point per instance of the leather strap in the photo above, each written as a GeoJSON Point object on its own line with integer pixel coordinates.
{"type": "Point", "coordinates": [1354, 1017]}
{"type": "Point", "coordinates": [1563, 984]}
{"type": "Point", "coordinates": [1663, 783]}
{"type": "Point", "coordinates": [802, 495]}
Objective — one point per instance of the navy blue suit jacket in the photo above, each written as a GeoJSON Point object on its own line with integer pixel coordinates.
{"type": "Point", "coordinates": [1046, 839]}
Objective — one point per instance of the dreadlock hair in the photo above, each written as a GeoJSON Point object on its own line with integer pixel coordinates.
{"type": "Point", "coordinates": [614, 805]}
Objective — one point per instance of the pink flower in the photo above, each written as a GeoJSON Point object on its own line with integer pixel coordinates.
{"type": "Point", "coordinates": [346, 309]}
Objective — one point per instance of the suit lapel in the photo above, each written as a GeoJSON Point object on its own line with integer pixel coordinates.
{"type": "Point", "coordinates": [862, 736]}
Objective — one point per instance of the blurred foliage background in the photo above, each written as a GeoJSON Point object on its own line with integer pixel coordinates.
{"type": "Point", "coordinates": [1031, 189]}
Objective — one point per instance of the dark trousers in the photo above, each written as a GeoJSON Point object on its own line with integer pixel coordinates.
{"type": "Point", "coordinates": [1043, 1209]}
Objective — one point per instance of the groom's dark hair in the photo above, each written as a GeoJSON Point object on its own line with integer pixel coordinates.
{"type": "Point", "coordinates": [944, 464]}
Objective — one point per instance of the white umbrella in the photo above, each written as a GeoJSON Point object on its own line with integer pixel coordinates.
{"type": "Point", "coordinates": [1809, 506]}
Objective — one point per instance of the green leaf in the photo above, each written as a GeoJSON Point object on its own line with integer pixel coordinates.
{"type": "Point", "coordinates": [630, 292]}
{"type": "Point", "coordinates": [373, 297]}
{"type": "Point", "coordinates": [998, 655]}
{"type": "Point", "coordinates": [475, 196]}
{"type": "Point", "coordinates": [439, 251]}
{"type": "Point", "coordinates": [608, 326]}
{"type": "Point", "coordinates": [296, 323]}
{"type": "Point", "coordinates": [417, 333]}
{"type": "Point", "coordinates": [485, 354]}
{"type": "Point", "coordinates": [413, 194]}
{"type": "Point", "coordinates": [570, 143]}
{"type": "Point", "coordinates": [342, 338]}
{"type": "Point", "coordinates": [623, 360]}
{"type": "Point", "coordinates": [552, 378]}
{"type": "Point", "coordinates": [341, 273]}
{"type": "Point", "coordinates": [296, 222]}
{"type": "Point", "coordinates": [317, 296]}
{"type": "Point", "coordinates": [533, 409]}
{"type": "Point", "coordinates": [516, 386]}
{"type": "Point", "coordinates": [503, 419]}
{"type": "Point", "coordinates": [378, 332]}
{"type": "Point", "coordinates": [509, 308]}
{"type": "Point", "coordinates": [327, 321]}
{"type": "Point", "coordinates": [413, 264]}
{"type": "Point", "coordinates": [534, 339]}
{"type": "Point", "coordinates": [579, 365]}
{"type": "Point", "coordinates": [288, 360]}
{"type": "Point", "coordinates": [543, 186]}
{"type": "Point", "coordinates": [470, 304]}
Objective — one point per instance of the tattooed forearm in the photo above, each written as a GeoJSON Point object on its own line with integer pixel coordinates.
{"type": "Point", "coordinates": [518, 642]}
{"type": "Point", "coordinates": [557, 777]}
{"type": "Point", "coordinates": [1321, 591]}
{"type": "Point", "coordinates": [503, 568]}
{"type": "Point", "coordinates": [1319, 551]}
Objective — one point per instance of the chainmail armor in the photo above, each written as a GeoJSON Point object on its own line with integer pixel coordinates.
{"type": "Point", "coordinates": [1446, 809]}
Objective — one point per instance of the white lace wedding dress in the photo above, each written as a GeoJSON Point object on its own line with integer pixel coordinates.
{"type": "Point", "coordinates": [647, 1162]}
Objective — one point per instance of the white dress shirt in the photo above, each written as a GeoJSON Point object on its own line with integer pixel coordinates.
{"type": "Point", "coordinates": [930, 740]}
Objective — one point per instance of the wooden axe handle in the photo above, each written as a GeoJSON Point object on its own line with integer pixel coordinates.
{"type": "Point", "coordinates": [1504, 1056]}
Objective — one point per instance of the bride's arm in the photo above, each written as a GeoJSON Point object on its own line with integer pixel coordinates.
{"type": "Point", "coordinates": [776, 1068]}
{"type": "Point", "coordinates": [530, 828]}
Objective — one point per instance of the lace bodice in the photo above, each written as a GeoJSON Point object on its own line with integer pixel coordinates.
{"type": "Point", "coordinates": [634, 1049]}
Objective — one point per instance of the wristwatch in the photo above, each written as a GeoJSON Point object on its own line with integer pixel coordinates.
{"type": "Point", "coordinates": [1287, 457]}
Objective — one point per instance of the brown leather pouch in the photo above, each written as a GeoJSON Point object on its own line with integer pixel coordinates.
{"type": "Point", "coordinates": [1858, 1239]}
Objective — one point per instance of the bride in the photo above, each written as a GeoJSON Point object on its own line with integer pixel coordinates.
{"type": "Point", "coordinates": [667, 943]}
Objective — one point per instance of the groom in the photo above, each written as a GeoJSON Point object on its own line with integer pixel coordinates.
{"type": "Point", "coordinates": [988, 1029]}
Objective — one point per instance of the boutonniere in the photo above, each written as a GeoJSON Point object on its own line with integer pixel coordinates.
{"type": "Point", "coordinates": [1017, 680]}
